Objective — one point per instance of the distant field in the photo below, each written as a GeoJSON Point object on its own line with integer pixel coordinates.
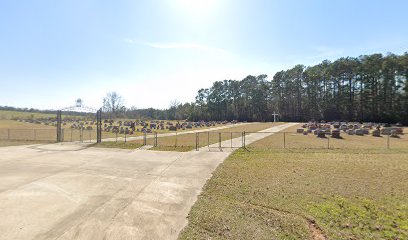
{"type": "Point", "coordinates": [305, 194]}
{"type": "Point", "coordinates": [8, 115]}
{"type": "Point", "coordinates": [12, 124]}
{"type": "Point", "coordinates": [15, 114]}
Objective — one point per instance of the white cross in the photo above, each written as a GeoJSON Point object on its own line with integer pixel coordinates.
{"type": "Point", "coordinates": [274, 116]}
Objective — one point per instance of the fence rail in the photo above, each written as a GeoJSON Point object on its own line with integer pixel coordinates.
{"type": "Point", "coordinates": [268, 140]}
{"type": "Point", "coordinates": [213, 139]}
{"type": "Point", "coordinates": [27, 134]}
{"type": "Point", "coordinates": [49, 135]}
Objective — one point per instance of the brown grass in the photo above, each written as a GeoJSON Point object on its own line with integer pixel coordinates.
{"type": "Point", "coordinates": [188, 141]}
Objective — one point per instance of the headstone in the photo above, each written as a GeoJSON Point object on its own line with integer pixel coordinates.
{"type": "Point", "coordinates": [350, 132]}
{"type": "Point", "coordinates": [386, 131]}
{"type": "Point", "coordinates": [394, 134]}
{"type": "Point", "coordinates": [300, 130]}
{"type": "Point", "coordinates": [335, 133]}
{"type": "Point", "coordinates": [400, 130]}
{"type": "Point", "coordinates": [376, 133]}
{"type": "Point", "coordinates": [360, 132]}
{"type": "Point", "coordinates": [321, 134]}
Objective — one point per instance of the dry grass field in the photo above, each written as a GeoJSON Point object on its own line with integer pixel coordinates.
{"type": "Point", "coordinates": [187, 142]}
{"type": "Point", "coordinates": [357, 189]}
{"type": "Point", "coordinates": [8, 115]}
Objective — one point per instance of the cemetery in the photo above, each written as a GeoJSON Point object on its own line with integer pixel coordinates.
{"type": "Point", "coordinates": [78, 129]}
{"type": "Point", "coordinates": [143, 132]}
{"type": "Point", "coordinates": [334, 129]}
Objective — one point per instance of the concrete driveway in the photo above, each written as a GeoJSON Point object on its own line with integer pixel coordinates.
{"type": "Point", "coordinates": [69, 191]}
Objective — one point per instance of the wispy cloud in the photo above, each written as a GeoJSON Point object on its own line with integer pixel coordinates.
{"type": "Point", "coordinates": [327, 52]}
{"type": "Point", "coordinates": [182, 46]}
{"type": "Point", "coordinates": [159, 45]}
{"type": "Point", "coordinates": [128, 40]}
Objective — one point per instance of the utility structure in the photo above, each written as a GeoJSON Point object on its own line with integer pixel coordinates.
{"type": "Point", "coordinates": [79, 107]}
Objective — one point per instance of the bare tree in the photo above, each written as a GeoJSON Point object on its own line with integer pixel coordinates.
{"type": "Point", "coordinates": [172, 112]}
{"type": "Point", "coordinates": [113, 102]}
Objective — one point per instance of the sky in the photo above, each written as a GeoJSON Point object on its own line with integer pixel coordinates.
{"type": "Point", "coordinates": [152, 52]}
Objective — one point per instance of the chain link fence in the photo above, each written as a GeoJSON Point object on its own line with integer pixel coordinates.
{"type": "Point", "coordinates": [27, 135]}
{"type": "Point", "coordinates": [215, 139]}
{"type": "Point", "coordinates": [265, 141]}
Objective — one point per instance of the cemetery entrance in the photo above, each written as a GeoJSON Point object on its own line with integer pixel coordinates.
{"type": "Point", "coordinates": [87, 127]}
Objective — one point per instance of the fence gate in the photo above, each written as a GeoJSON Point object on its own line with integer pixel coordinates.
{"type": "Point", "coordinates": [82, 130]}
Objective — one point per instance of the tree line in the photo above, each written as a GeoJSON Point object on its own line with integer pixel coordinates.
{"type": "Point", "coordinates": [366, 88]}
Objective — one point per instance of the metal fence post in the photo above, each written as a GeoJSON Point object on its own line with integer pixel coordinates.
{"type": "Point", "coordinates": [197, 139]}
{"type": "Point", "coordinates": [8, 134]}
{"type": "Point", "coordinates": [59, 121]}
{"type": "Point", "coordinates": [155, 139]}
{"type": "Point", "coordinates": [328, 143]}
{"type": "Point", "coordinates": [144, 139]}
{"type": "Point", "coordinates": [231, 139]}
{"type": "Point", "coordinates": [388, 142]}
{"type": "Point", "coordinates": [244, 139]}
{"type": "Point", "coordinates": [208, 139]}
{"type": "Point", "coordinates": [125, 136]}
{"type": "Point", "coordinates": [175, 144]}
{"type": "Point", "coordinates": [284, 139]}
{"type": "Point", "coordinates": [219, 139]}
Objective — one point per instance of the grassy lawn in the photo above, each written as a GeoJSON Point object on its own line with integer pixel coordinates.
{"type": "Point", "coordinates": [305, 194]}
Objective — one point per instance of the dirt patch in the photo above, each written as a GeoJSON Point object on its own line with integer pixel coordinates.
{"type": "Point", "coordinates": [315, 230]}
